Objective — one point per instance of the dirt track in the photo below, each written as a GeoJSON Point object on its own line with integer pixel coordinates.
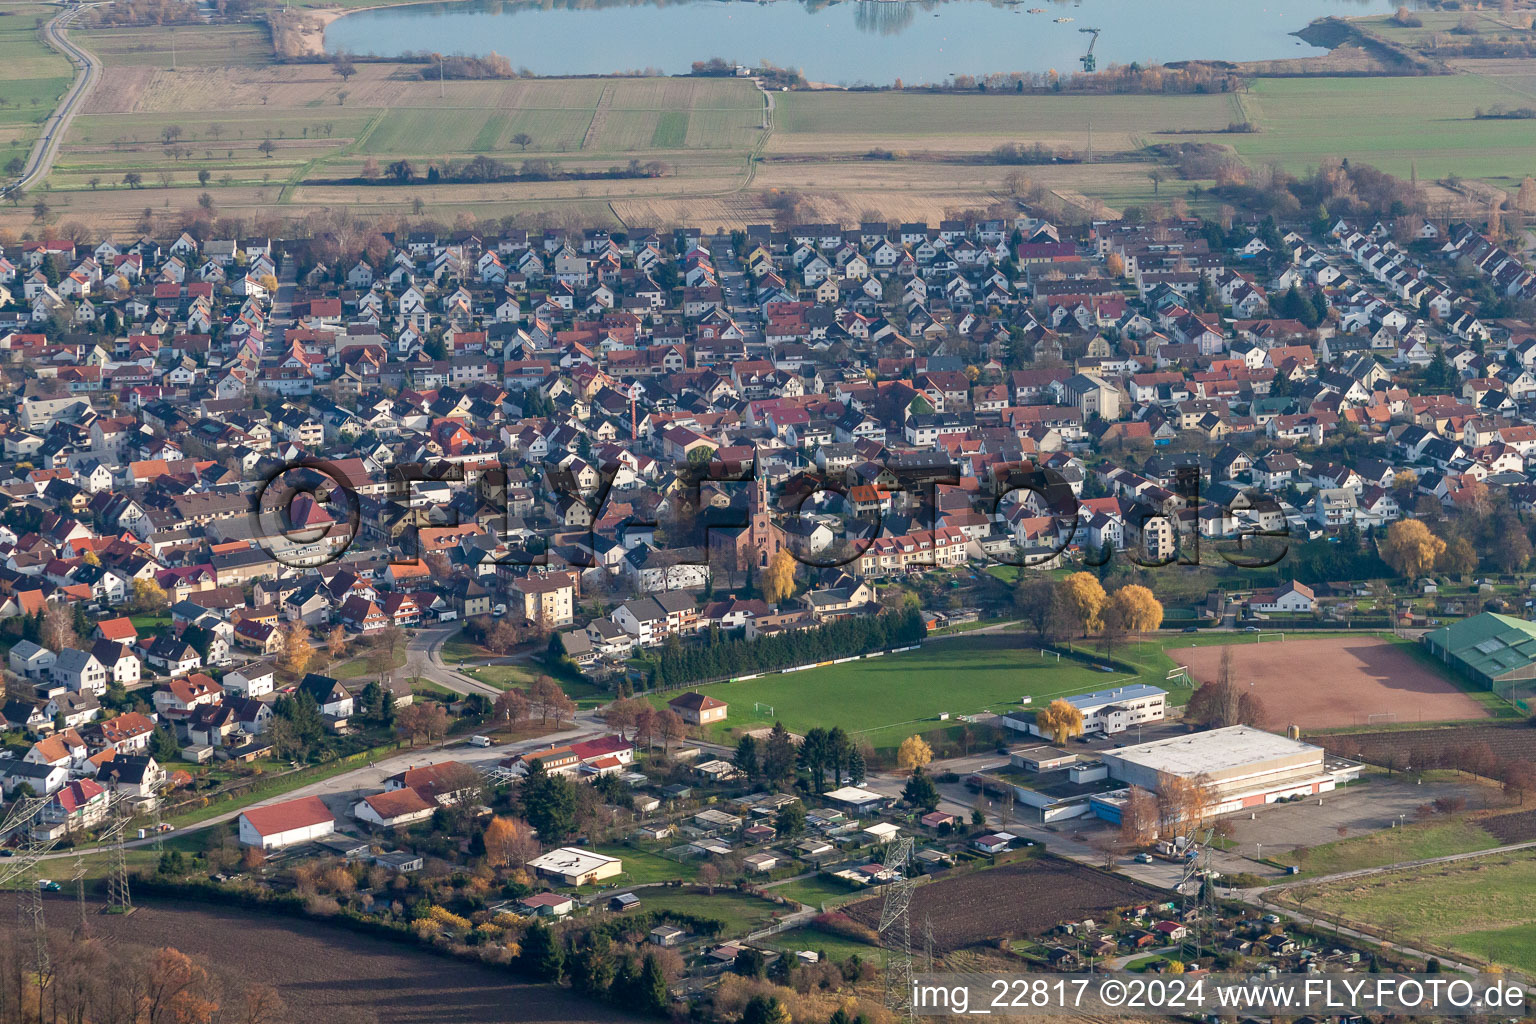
{"type": "Point", "coordinates": [1318, 682]}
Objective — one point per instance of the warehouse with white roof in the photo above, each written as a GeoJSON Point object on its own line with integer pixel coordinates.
{"type": "Point", "coordinates": [1244, 766]}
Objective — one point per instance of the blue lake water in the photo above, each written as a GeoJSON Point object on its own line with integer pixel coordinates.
{"type": "Point", "coordinates": [847, 43]}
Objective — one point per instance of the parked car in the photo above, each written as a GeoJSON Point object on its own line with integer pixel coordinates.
{"type": "Point", "coordinates": [479, 741]}
{"type": "Point", "coordinates": [1143, 858]}
{"type": "Point", "coordinates": [48, 885]}
{"type": "Point", "coordinates": [1190, 629]}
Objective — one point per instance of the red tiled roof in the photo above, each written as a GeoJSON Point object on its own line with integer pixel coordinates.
{"type": "Point", "coordinates": [397, 803]}
{"type": "Point", "coordinates": [288, 815]}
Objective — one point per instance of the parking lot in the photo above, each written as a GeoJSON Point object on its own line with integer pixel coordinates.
{"type": "Point", "coordinates": [1358, 808]}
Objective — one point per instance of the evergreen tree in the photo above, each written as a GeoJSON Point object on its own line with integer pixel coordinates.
{"type": "Point", "coordinates": [790, 821]}
{"type": "Point", "coordinates": [592, 969]}
{"type": "Point", "coordinates": [856, 769]}
{"type": "Point", "coordinates": [163, 745]}
{"type": "Point", "coordinates": [1438, 373]}
{"type": "Point", "coordinates": [764, 1010]}
{"type": "Point", "coordinates": [542, 954]}
{"type": "Point", "coordinates": [920, 791]}
{"type": "Point", "coordinates": [370, 701]}
{"type": "Point", "coordinates": [746, 758]}
{"type": "Point", "coordinates": [839, 748]}
{"type": "Point", "coordinates": [652, 987]}
{"type": "Point", "coordinates": [779, 758]}
{"type": "Point", "coordinates": [549, 803]}
{"type": "Point", "coordinates": [813, 758]}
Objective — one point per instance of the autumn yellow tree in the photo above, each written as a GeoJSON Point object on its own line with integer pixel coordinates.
{"type": "Point", "coordinates": [1184, 800]}
{"type": "Point", "coordinates": [913, 753]}
{"type": "Point", "coordinates": [1082, 599]}
{"type": "Point", "coordinates": [1410, 549]}
{"type": "Point", "coordinates": [1138, 818]}
{"type": "Point", "coordinates": [176, 989]}
{"type": "Point", "coordinates": [1135, 609]}
{"type": "Point", "coordinates": [336, 642]}
{"type": "Point", "coordinates": [509, 842]}
{"type": "Point", "coordinates": [149, 596]}
{"type": "Point", "coordinates": [779, 580]}
{"type": "Point", "coordinates": [91, 558]}
{"type": "Point", "coordinates": [1526, 199]}
{"type": "Point", "coordinates": [1061, 719]}
{"type": "Point", "coordinates": [297, 651]}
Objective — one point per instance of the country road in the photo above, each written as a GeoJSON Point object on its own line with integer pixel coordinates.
{"type": "Point", "coordinates": [341, 792]}
{"type": "Point", "coordinates": [40, 160]}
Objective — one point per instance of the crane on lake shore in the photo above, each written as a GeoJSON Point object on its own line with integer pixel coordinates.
{"type": "Point", "coordinates": [1090, 62]}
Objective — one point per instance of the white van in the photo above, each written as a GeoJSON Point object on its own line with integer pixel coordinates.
{"type": "Point", "coordinates": [479, 741]}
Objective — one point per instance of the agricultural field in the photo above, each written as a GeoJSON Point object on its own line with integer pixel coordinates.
{"type": "Point", "coordinates": [253, 134]}
{"type": "Point", "coordinates": [195, 46]}
{"type": "Point", "coordinates": [32, 80]}
{"type": "Point", "coordinates": [1018, 899]}
{"type": "Point", "coordinates": [1392, 846]}
{"type": "Point", "coordinates": [1515, 827]}
{"type": "Point", "coordinates": [1452, 26]}
{"type": "Point", "coordinates": [337, 975]}
{"type": "Point", "coordinates": [884, 700]}
{"type": "Point", "coordinates": [827, 122]}
{"type": "Point", "coordinates": [1329, 681]}
{"type": "Point", "coordinates": [1434, 748]}
{"type": "Point", "coordinates": [1413, 124]}
{"type": "Point", "coordinates": [1478, 907]}
{"type": "Point", "coordinates": [263, 137]}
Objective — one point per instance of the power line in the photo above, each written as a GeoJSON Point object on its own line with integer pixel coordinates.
{"type": "Point", "coordinates": [895, 925]}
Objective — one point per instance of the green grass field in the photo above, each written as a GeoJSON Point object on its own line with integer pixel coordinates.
{"type": "Point", "coordinates": [1480, 906]}
{"type": "Point", "coordinates": [905, 116]}
{"type": "Point", "coordinates": [884, 700]}
{"type": "Point", "coordinates": [816, 891]}
{"type": "Point", "coordinates": [32, 78]}
{"type": "Point", "coordinates": [1391, 846]}
{"type": "Point", "coordinates": [196, 45]}
{"type": "Point", "coordinates": [642, 867]}
{"type": "Point", "coordinates": [1401, 123]}
{"type": "Point", "coordinates": [833, 946]}
{"type": "Point", "coordinates": [740, 912]}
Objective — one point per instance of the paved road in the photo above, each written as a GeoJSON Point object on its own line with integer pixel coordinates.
{"type": "Point", "coordinates": [424, 658]}
{"type": "Point", "coordinates": [40, 160]}
{"type": "Point", "coordinates": [340, 792]}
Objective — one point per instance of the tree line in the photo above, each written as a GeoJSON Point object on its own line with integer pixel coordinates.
{"type": "Point", "coordinates": [721, 657]}
{"type": "Point", "coordinates": [485, 169]}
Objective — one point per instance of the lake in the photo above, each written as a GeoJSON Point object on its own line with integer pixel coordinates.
{"type": "Point", "coordinates": [848, 43]}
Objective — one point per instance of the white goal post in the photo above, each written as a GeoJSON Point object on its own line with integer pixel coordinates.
{"type": "Point", "coordinates": [1179, 674]}
{"type": "Point", "coordinates": [1381, 716]}
{"type": "Point", "coordinates": [1050, 654]}
{"type": "Point", "coordinates": [1261, 637]}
